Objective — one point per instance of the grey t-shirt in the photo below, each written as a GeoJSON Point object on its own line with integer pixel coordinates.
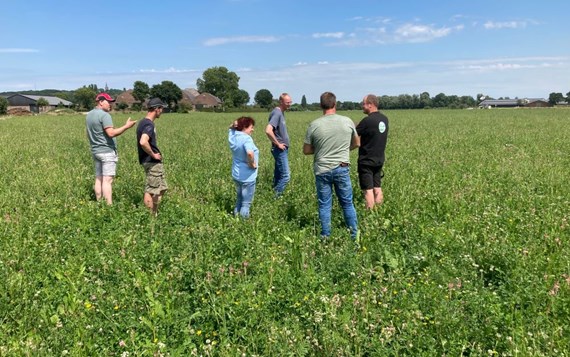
{"type": "Point", "coordinates": [97, 120]}
{"type": "Point", "coordinates": [277, 121]}
{"type": "Point", "coordinates": [330, 136]}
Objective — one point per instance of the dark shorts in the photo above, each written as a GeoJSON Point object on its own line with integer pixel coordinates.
{"type": "Point", "coordinates": [155, 182]}
{"type": "Point", "coordinates": [370, 176]}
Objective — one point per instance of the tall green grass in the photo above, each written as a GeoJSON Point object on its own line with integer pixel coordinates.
{"type": "Point", "coordinates": [468, 255]}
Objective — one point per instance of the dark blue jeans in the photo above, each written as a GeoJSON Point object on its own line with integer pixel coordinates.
{"type": "Point", "coordinates": [281, 174]}
{"type": "Point", "coordinates": [339, 178]}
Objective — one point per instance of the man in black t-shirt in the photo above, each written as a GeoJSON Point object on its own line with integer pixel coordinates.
{"type": "Point", "coordinates": [373, 132]}
{"type": "Point", "coordinates": [150, 157]}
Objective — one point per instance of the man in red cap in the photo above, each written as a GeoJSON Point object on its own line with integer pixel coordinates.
{"type": "Point", "coordinates": [101, 134]}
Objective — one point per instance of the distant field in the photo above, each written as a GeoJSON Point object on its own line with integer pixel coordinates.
{"type": "Point", "coordinates": [469, 255]}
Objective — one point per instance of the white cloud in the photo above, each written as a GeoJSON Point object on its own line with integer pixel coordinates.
{"type": "Point", "coordinates": [18, 50]}
{"type": "Point", "coordinates": [414, 33]}
{"type": "Point", "coordinates": [336, 35]}
{"type": "Point", "coordinates": [490, 25]}
{"type": "Point", "coordinates": [217, 41]}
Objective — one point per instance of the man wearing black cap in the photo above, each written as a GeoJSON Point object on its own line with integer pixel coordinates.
{"type": "Point", "coordinates": [101, 134]}
{"type": "Point", "coordinates": [150, 157]}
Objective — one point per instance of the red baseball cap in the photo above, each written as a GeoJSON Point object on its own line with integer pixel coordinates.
{"type": "Point", "coordinates": [104, 96]}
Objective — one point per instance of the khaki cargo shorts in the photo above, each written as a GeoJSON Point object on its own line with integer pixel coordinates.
{"type": "Point", "coordinates": [155, 181]}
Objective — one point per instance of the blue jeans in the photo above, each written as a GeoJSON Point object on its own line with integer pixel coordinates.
{"type": "Point", "coordinates": [281, 174]}
{"type": "Point", "coordinates": [245, 191]}
{"type": "Point", "coordinates": [339, 178]}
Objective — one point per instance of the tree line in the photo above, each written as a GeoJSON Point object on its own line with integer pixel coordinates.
{"type": "Point", "coordinates": [224, 84]}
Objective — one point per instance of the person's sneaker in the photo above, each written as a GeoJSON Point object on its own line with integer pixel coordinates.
{"type": "Point", "coordinates": [325, 239]}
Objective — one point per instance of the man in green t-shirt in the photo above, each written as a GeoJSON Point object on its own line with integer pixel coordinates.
{"type": "Point", "coordinates": [330, 139]}
{"type": "Point", "coordinates": [101, 134]}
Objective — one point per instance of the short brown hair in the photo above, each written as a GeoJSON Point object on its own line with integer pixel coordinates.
{"type": "Point", "coordinates": [244, 122]}
{"type": "Point", "coordinates": [371, 99]}
{"type": "Point", "coordinates": [328, 100]}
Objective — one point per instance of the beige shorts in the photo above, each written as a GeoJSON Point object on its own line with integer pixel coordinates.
{"type": "Point", "coordinates": [155, 182]}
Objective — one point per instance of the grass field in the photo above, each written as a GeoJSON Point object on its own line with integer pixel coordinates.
{"type": "Point", "coordinates": [469, 255]}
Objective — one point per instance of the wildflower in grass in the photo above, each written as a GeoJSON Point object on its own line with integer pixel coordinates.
{"type": "Point", "coordinates": [122, 343]}
{"type": "Point", "coordinates": [199, 332]}
{"type": "Point", "coordinates": [88, 305]}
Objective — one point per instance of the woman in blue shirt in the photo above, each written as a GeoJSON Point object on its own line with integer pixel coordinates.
{"type": "Point", "coordinates": [245, 159]}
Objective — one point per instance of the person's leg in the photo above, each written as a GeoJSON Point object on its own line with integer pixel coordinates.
{"type": "Point", "coordinates": [108, 172]}
{"type": "Point", "coordinates": [343, 190]}
{"type": "Point", "coordinates": [155, 186]}
{"type": "Point", "coordinates": [98, 187]}
{"type": "Point", "coordinates": [366, 181]}
{"type": "Point", "coordinates": [324, 199]}
{"type": "Point", "coordinates": [368, 198]}
{"type": "Point", "coordinates": [378, 195]}
{"type": "Point", "coordinates": [148, 200]}
{"type": "Point", "coordinates": [239, 198]}
{"type": "Point", "coordinates": [281, 173]}
{"type": "Point", "coordinates": [377, 183]}
{"type": "Point", "coordinates": [107, 189]}
{"type": "Point", "coordinates": [247, 193]}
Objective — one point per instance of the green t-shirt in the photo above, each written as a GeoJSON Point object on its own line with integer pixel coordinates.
{"type": "Point", "coordinates": [330, 136]}
{"type": "Point", "coordinates": [97, 120]}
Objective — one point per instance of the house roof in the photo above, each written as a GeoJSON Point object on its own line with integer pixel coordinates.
{"type": "Point", "coordinates": [51, 100]}
{"type": "Point", "coordinates": [126, 97]}
{"type": "Point", "coordinates": [207, 99]}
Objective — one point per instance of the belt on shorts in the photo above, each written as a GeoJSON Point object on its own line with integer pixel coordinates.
{"type": "Point", "coordinates": [344, 164]}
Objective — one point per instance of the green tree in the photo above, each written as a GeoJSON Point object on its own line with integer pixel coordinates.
{"type": "Point", "coordinates": [554, 98]}
{"type": "Point", "coordinates": [263, 98]}
{"type": "Point", "coordinates": [220, 82]}
{"type": "Point", "coordinates": [3, 105]}
{"type": "Point", "coordinates": [140, 91]}
{"type": "Point", "coordinates": [42, 103]}
{"type": "Point", "coordinates": [240, 98]}
{"type": "Point", "coordinates": [304, 102]}
{"type": "Point", "coordinates": [168, 92]}
{"type": "Point", "coordinates": [568, 97]}
{"type": "Point", "coordinates": [85, 97]}
{"type": "Point", "coordinates": [440, 101]}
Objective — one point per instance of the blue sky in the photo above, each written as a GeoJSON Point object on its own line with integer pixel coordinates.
{"type": "Point", "coordinates": [498, 48]}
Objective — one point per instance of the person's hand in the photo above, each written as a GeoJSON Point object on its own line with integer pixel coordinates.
{"type": "Point", "coordinates": [233, 125]}
{"type": "Point", "coordinates": [130, 123]}
{"type": "Point", "coordinates": [157, 156]}
{"type": "Point", "coordinates": [281, 146]}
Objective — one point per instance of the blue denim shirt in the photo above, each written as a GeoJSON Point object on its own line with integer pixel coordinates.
{"type": "Point", "coordinates": [240, 144]}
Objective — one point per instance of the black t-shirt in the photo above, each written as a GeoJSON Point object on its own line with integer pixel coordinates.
{"type": "Point", "coordinates": [373, 132]}
{"type": "Point", "coordinates": [146, 126]}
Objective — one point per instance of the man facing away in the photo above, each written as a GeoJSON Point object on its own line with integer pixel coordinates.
{"type": "Point", "coordinates": [101, 134]}
{"type": "Point", "coordinates": [373, 133]}
{"type": "Point", "coordinates": [150, 157]}
{"type": "Point", "coordinates": [330, 139]}
{"type": "Point", "coordinates": [276, 131]}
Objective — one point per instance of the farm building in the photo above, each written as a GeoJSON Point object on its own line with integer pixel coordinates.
{"type": "Point", "coordinates": [513, 103]}
{"type": "Point", "coordinates": [190, 97]}
{"type": "Point", "coordinates": [126, 98]}
{"type": "Point", "coordinates": [30, 103]}
{"type": "Point", "coordinates": [206, 100]}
